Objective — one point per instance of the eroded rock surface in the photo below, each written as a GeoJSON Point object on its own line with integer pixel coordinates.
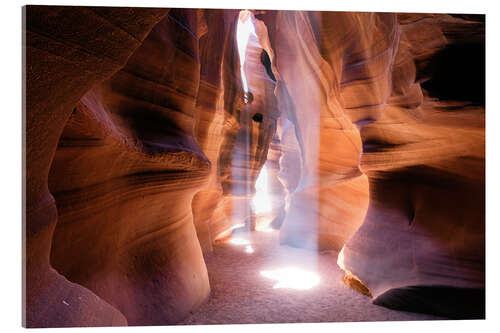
{"type": "Point", "coordinates": [422, 150]}
{"type": "Point", "coordinates": [140, 125]}
{"type": "Point", "coordinates": [68, 50]}
{"type": "Point", "coordinates": [425, 161]}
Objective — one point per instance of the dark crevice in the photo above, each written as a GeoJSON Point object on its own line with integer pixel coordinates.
{"type": "Point", "coordinates": [471, 17]}
{"type": "Point", "coordinates": [374, 146]}
{"type": "Point", "coordinates": [444, 301]}
{"type": "Point", "coordinates": [266, 61]}
{"type": "Point", "coordinates": [458, 73]}
{"type": "Point", "coordinates": [258, 117]}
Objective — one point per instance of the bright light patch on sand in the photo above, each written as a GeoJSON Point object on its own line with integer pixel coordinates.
{"type": "Point", "coordinates": [249, 249]}
{"type": "Point", "coordinates": [292, 278]}
{"type": "Point", "coordinates": [243, 31]}
{"type": "Point", "coordinates": [239, 241]}
{"type": "Point", "coordinates": [261, 200]}
{"type": "Point", "coordinates": [242, 242]}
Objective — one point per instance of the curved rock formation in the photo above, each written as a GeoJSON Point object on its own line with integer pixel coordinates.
{"type": "Point", "coordinates": [329, 143]}
{"type": "Point", "coordinates": [212, 123]}
{"type": "Point", "coordinates": [142, 119]}
{"type": "Point", "coordinates": [425, 161]}
{"type": "Point", "coordinates": [68, 50]}
{"type": "Point", "coordinates": [422, 156]}
{"type": "Point", "coordinates": [131, 161]}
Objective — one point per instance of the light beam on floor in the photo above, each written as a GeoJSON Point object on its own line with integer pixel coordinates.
{"type": "Point", "coordinates": [239, 241]}
{"type": "Point", "coordinates": [292, 278]}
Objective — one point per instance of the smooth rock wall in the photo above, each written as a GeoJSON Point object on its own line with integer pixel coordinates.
{"type": "Point", "coordinates": [68, 50]}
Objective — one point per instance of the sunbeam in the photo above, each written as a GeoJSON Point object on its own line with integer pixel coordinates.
{"type": "Point", "coordinates": [262, 200]}
{"type": "Point", "coordinates": [243, 31]}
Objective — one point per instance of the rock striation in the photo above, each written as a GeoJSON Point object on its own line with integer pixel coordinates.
{"type": "Point", "coordinates": [327, 192]}
{"type": "Point", "coordinates": [152, 119]}
{"type": "Point", "coordinates": [424, 158]}
{"type": "Point", "coordinates": [67, 51]}
{"type": "Point", "coordinates": [354, 89]}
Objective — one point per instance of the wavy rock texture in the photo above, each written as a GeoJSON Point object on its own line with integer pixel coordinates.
{"type": "Point", "coordinates": [425, 161]}
{"type": "Point", "coordinates": [140, 125]}
{"type": "Point", "coordinates": [423, 156]}
{"type": "Point", "coordinates": [68, 50]}
{"type": "Point", "coordinates": [212, 123]}
{"type": "Point", "coordinates": [328, 143]}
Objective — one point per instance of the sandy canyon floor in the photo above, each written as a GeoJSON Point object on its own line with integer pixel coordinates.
{"type": "Point", "coordinates": [246, 286]}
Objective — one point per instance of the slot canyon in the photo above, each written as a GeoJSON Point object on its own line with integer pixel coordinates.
{"type": "Point", "coordinates": [219, 166]}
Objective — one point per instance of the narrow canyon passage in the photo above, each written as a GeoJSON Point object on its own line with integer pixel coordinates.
{"type": "Point", "coordinates": [147, 130]}
{"type": "Point", "coordinates": [248, 287]}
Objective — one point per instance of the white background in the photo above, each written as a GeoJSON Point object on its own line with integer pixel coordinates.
{"type": "Point", "coordinates": [11, 157]}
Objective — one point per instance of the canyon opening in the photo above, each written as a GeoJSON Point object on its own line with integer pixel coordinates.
{"type": "Point", "coordinates": [228, 166]}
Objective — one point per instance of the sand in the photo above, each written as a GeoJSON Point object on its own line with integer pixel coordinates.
{"type": "Point", "coordinates": [240, 294]}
